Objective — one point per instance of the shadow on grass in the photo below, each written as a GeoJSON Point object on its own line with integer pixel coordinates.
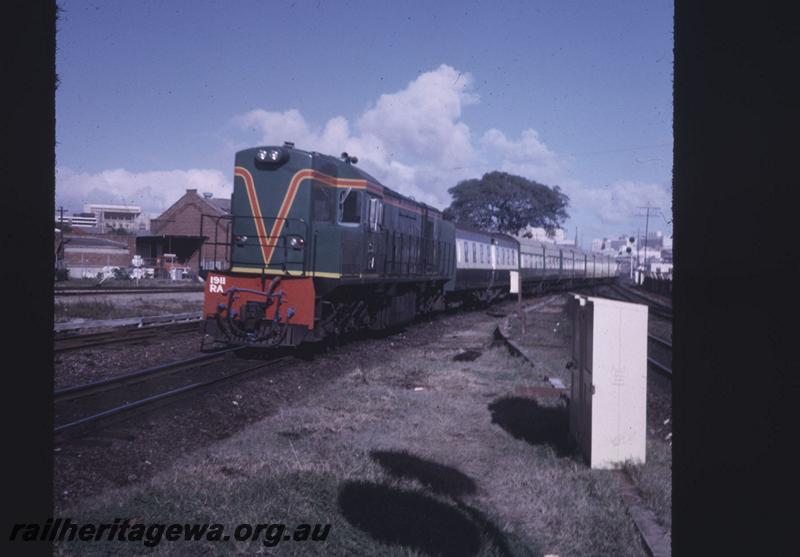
{"type": "Point", "coordinates": [413, 520]}
{"type": "Point", "coordinates": [467, 356]}
{"type": "Point", "coordinates": [439, 478]}
{"type": "Point", "coordinates": [525, 419]}
{"type": "Point", "coordinates": [451, 482]}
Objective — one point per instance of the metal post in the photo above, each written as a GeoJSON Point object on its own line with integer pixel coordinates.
{"type": "Point", "coordinates": [630, 262]}
{"type": "Point", "coordinates": [646, 229]}
{"type": "Point", "coordinates": [519, 291]}
{"type": "Point", "coordinates": [60, 264]}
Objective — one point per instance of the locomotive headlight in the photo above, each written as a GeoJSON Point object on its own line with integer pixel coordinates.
{"type": "Point", "coordinates": [270, 155]}
{"type": "Point", "coordinates": [296, 242]}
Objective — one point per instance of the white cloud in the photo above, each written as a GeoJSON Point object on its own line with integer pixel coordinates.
{"type": "Point", "coordinates": [528, 157]}
{"type": "Point", "coordinates": [618, 203]}
{"type": "Point", "coordinates": [414, 140]}
{"type": "Point", "coordinates": [154, 191]}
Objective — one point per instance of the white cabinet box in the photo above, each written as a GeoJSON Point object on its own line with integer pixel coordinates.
{"type": "Point", "coordinates": [608, 402]}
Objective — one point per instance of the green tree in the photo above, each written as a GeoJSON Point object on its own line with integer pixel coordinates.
{"type": "Point", "coordinates": [506, 203]}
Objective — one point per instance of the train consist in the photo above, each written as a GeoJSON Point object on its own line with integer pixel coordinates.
{"type": "Point", "coordinates": [317, 248]}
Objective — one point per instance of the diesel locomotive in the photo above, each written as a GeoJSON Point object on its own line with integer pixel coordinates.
{"type": "Point", "coordinates": [316, 247]}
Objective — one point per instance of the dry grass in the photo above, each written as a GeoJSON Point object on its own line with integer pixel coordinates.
{"type": "Point", "coordinates": [654, 480]}
{"type": "Point", "coordinates": [410, 453]}
{"type": "Point", "coordinates": [104, 309]}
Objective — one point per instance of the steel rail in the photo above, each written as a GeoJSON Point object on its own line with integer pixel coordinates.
{"type": "Point", "coordinates": [120, 336]}
{"type": "Point", "coordinates": [650, 301]}
{"type": "Point", "coordinates": [658, 340]}
{"type": "Point", "coordinates": [667, 371]}
{"type": "Point", "coordinates": [653, 307]}
{"type": "Point", "coordinates": [163, 395]}
{"type": "Point", "coordinates": [86, 389]}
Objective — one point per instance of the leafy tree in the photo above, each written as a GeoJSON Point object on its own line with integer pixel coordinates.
{"type": "Point", "coordinates": [506, 203]}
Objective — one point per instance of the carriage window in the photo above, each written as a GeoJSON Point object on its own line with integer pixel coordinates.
{"type": "Point", "coordinates": [466, 252]}
{"type": "Point", "coordinates": [349, 206]}
{"type": "Point", "coordinates": [474, 253]}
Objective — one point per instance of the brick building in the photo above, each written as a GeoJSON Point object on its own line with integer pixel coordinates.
{"type": "Point", "coordinates": [177, 234]}
{"type": "Point", "coordinates": [85, 255]}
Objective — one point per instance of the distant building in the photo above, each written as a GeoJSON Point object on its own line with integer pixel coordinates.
{"type": "Point", "coordinates": [614, 246]}
{"type": "Point", "coordinates": [79, 220]}
{"type": "Point", "coordinates": [660, 268]}
{"type": "Point", "coordinates": [655, 239]}
{"type": "Point", "coordinates": [118, 217]}
{"type": "Point", "coordinates": [175, 235]}
{"type": "Point", "coordinates": [85, 255]}
{"type": "Point", "coordinates": [540, 234]}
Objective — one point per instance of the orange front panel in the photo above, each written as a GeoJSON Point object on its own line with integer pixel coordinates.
{"type": "Point", "coordinates": [298, 294]}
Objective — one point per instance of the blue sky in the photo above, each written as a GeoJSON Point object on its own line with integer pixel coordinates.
{"type": "Point", "coordinates": [155, 97]}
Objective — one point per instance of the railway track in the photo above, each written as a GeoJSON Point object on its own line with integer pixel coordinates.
{"type": "Point", "coordinates": [89, 403]}
{"type": "Point", "coordinates": [105, 291]}
{"type": "Point", "coordinates": [665, 350]}
{"type": "Point", "coordinates": [663, 347]}
{"type": "Point", "coordinates": [122, 335]}
{"type": "Point", "coordinates": [628, 295]}
{"type": "Point", "coordinates": [659, 349]}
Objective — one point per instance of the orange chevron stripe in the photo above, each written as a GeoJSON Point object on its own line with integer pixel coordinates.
{"type": "Point", "coordinates": [291, 192]}
{"type": "Point", "coordinates": [250, 188]}
{"type": "Point", "coordinates": [288, 200]}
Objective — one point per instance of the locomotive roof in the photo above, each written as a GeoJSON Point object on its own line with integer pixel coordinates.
{"type": "Point", "coordinates": [529, 244]}
{"type": "Point", "coordinates": [477, 231]}
{"type": "Point", "coordinates": [369, 178]}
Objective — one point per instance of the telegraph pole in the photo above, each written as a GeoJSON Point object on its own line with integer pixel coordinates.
{"type": "Point", "coordinates": [638, 237]}
{"type": "Point", "coordinates": [647, 226]}
{"type": "Point", "coordinates": [646, 231]}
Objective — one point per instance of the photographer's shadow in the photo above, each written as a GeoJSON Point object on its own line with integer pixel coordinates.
{"type": "Point", "coordinates": [415, 519]}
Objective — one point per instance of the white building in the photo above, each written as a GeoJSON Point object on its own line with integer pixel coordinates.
{"type": "Point", "coordinates": [540, 235]}
{"type": "Point", "coordinates": [111, 217]}
{"type": "Point", "coordinates": [79, 220]}
{"type": "Point", "coordinates": [614, 246]}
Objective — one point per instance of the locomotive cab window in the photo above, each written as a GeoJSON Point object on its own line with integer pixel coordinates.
{"type": "Point", "coordinates": [323, 204]}
{"type": "Point", "coordinates": [375, 214]}
{"type": "Point", "coordinates": [349, 207]}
